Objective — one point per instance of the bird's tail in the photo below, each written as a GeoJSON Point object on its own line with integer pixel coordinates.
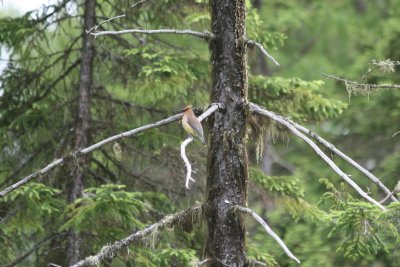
{"type": "Point", "coordinates": [202, 139]}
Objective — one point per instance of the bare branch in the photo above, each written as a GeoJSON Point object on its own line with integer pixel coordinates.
{"type": "Point", "coordinates": [319, 152]}
{"type": "Point", "coordinates": [89, 149]}
{"type": "Point", "coordinates": [200, 263]}
{"type": "Point", "coordinates": [138, 3]}
{"type": "Point", "coordinates": [210, 110]}
{"type": "Point", "coordinates": [186, 160]}
{"type": "Point", "coordinates": [202, 35]}
{"type": "Point", "coordinates": [108, 252]}
{"type": "Point", "coordinates": [268, 230]}
{"type": "Point", "coordinates": [255, 262]}
{"type": "Point", "coordinates": [94, 28]}
{"type": "Point", "coordinates": [395, 190]}
{"type": "Point", "coordinates": [336, 151]}
{"type": "Point", "coordinates": [362, 85]}
{"type": "Point", "coordinates": [252, 43]}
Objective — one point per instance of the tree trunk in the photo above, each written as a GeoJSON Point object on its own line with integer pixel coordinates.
{"type": "Point", "coordinates": [82, 122]}
{"type": "Point", "coordinates": [227, 175]}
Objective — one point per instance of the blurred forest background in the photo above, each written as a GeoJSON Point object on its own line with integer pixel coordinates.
{"type": "Point", "coordinates": [138, 79]}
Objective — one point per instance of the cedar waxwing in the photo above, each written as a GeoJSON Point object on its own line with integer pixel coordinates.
{"type": "Point", "coordinates": [191, 124]}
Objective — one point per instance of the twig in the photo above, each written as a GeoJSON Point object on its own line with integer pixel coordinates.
{"type": "Point", "coordinates": [336, 151]}
{"type": "Point", "coordinates": [94, 28]}
{"type": "Point", "coordinates": [200, 263]}
{"type": "Point", "coordinates": [256, 262]}
{"type": "Point", "coordinates": [108, 252]}
{"type": "Point", "coordinates": [362, 85]}
{"type": "Point", "coordinates": [395, 190]}
{"type": "Point", "coordinates": [138, 3]}
{"type": "Point", "coordinates": [108, 140]}
{"type": "Point", "coordinates": [202, 35]}
{"type": "Point", "coordinates": [268, 230]}
{"type": "Point", "coordinates": [262, 49]}
{"type": "Point", "coordinates": [319, 152]}
{"type": "Point", "coordinates": [186, 160]}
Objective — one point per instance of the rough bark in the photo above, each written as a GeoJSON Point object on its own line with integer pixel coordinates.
{"type": "Point", "coordinates": [82, 122]}
{"type": "Point", "coordinates": [227, 175]}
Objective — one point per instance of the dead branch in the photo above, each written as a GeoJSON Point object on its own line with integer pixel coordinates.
{"type": "Point", "coordinates": [94, 28]}
{"type": "Point", "coordinates": [255, 108]}
{"type": "Point", "coordinates": [186, 160]}
{"type": "Point", "coordinates": [395, 190]}
{"type": "Point", "coordinates": [138, 3]}
{"type": "Point", "coordinates": [202, 35]}
{"type": "Point", "coordinates": [336, 151]}
{"type": "Point", "coordinates": [84, 151]}
{"type": "Point", "coordinates": [255, 262]}
{"type": "Point", "coordinates": [268, 230]}
{"type": "Point", "coordinates": [200, 263]}
{"type": "Point", "coordinates": [108, 252]}
{"type": "Point", "coordinates": [252, 43]}
{"type": "Point", "coordinates": [362, 85]}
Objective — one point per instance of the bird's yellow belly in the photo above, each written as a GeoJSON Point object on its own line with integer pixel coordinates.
{"type": "Point", "coordinates": [187, 127]}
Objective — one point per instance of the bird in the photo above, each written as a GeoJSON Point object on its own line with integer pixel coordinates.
{"type": "Point", "coordinates": [191, 124]}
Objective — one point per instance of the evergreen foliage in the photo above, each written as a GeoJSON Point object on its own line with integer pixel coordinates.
{"type": "Point", "coordinates": [139, 79]}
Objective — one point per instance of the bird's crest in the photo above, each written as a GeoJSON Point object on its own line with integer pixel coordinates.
{"type": "Point", "coordinates": [187, 108]}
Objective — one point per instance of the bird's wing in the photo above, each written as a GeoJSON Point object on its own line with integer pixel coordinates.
{"type": "Point", "coordinates": [196, 125]}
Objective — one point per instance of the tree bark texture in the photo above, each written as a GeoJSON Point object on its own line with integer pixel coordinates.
{"type": "Point", "coordinates": [227, 175]}
{"type": "Point", "coordinates": [82, 121]}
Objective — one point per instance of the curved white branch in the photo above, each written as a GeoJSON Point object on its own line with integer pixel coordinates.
{"type": "Point", "coordinates": [283, 121]}
{"type": "Point", "coordinates": [268, 230]}
{"type": "Point", "coordinates": [186, 160]}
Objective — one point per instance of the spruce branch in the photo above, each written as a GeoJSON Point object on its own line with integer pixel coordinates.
{"type": "Point", "coordinates": [252, 43]}
{"type": "Point", "coordinates": [108, 252]}
{"type": "Point", "coordinates": [255, 108]}
{"type": "Point", "coordinates": [84, 151]}
{"type": "Point", "coordinates": [268, 230]}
